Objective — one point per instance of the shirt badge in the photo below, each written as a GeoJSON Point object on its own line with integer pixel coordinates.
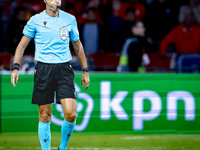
{"type": "Point", "coordinates": [63, 34]}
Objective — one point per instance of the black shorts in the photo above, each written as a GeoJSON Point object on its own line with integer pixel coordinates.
{"type": "Point", "coordinates": [53, 77]}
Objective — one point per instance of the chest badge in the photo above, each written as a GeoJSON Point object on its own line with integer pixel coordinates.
{"type": "Point", "coordinates": [63, 33]}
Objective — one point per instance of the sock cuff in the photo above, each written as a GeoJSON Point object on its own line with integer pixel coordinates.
{"type": "Point", "coordinates": [44, 125]}
{"type": "Point", "coordinates": [70, 124]}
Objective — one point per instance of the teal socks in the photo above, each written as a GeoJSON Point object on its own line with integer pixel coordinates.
{"type": "Point", "coordinates": [44, 135]}
{"type": "Point", "coordinates": [66, 131]}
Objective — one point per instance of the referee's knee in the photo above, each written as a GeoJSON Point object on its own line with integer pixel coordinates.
{"type": "Point", "coordinates": [70, 117]}
{"type": "Point", "coordinates": [45, 116]}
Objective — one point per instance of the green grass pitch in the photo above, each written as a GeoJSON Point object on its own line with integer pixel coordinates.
{"type": "Point", "coordinates": [105, 142]}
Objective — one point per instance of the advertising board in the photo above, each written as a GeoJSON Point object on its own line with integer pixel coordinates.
{"type": "Point", "coordinates": [119, 103]}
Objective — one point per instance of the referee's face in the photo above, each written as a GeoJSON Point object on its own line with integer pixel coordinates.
{"type": "Point", "coordinates": [53, 4]}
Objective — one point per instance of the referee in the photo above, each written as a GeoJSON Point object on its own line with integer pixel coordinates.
{"type": "Point", "coordinates": [52, 31]}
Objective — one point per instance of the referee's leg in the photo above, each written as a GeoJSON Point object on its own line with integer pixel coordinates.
{"type": "Point", "coordinates": [44, 126]}
{"type": "Point", "coordinates": [69, 110]}
{"type": "Point", "coordinates": [45, 113]}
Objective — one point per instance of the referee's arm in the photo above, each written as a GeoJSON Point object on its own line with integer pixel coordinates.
{"type": "Point", "coordinates": [18, 57]}
{"type": "Point", "coordinates": [78, 48]}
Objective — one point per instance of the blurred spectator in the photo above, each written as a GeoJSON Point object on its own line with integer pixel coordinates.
{"type": "Point", "coordinates": [90, 4]}
{"type": "Point", "coordinates": [192, 7]}
{"type": "Point", "coordinates": [6, 12]}
{"type": "Point", "coordinates": [130, 14]}
{"type": "Point", "coordinates": [78, 6]}
{"type": "Point", "coordinates": [36, 5]}
{"type": "Point", "coordinates": [93, 3]}
{"type": "Point", "coordinates": [70, 8]}
{"type": "Point", "coordinates": [92, 33]}
{"type": "Point", "coordinates": [129, 20]}
{"type": "Point", "coordinates": [139, 9]}
{"type": "Point", "coordinates": [115, 25]}
{"type": "Point", "coordinates": [122, 6]}
{"type": "Point", "coordinates": [185, 36]}
{"type": "Point", "coordinates": [32, 6]}
{"type": "Point", "coordinates": [1, 36]}
{"type": "Point", "coordinates": [148, 2]}
{"type": "Point", "coordinates": [133, 49]}
{"type": "Point", "coordinates": [14, 31]}
{"type": "Point", "coordinates": [161, 16]}
{"type": "Point", "coordinates": [105, 10]}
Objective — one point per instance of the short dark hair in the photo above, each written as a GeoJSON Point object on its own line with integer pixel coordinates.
{"type": "Point", "coordinates": [130, 9]}
{"type": "Point", "coordinates": [93, 9]}
{"type": "Point", "coordinates": [133, 24]}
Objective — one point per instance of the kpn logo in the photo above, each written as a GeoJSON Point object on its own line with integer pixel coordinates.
{"type": "Point", "coordinates": [110, 105]}
{"type": "Point", "coordinates": [85, 106]}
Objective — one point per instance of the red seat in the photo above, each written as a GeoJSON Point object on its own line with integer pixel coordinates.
{"type": "Point", "coordinates": [106, 61]}
{"type": "Point", "coordinates": [158, 62]}
{"type": "Point", "coordinates": [5, 59]}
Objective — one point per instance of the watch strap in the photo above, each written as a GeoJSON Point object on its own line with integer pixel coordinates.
{"type": "Point", "coordinates": [86, 69]}
{"type": "Point", "coordinates": [15, 66]}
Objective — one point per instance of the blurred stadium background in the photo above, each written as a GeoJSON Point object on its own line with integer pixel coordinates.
{"type": "Point", "coordinates": [155, 107]}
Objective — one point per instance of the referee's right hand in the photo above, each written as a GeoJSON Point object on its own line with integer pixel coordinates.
{"type": "Point", "coordinates": [15, 74]}
{"type": "Point", "coordinates": [85, 78]}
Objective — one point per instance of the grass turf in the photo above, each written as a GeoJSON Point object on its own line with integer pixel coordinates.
{"type": "Point", "coordinates": [106, 141]}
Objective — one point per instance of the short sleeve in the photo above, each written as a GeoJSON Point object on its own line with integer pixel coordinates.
{"type": "Point", "coordinates": [29, 29]}
{"type": "Point", "coordinates": [74, 35]}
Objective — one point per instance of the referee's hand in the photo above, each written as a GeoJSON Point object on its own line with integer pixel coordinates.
{"type": "Point", "coordinates": [15, 74]}
{"type": "Point", "coordinates": [85, 78]}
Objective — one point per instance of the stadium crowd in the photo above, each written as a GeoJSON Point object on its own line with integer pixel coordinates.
{"type": "Point", "coordinates": [171, 42]}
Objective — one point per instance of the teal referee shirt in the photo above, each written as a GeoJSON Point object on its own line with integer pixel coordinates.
{"type": "Point", "coordinates": [52, 36]}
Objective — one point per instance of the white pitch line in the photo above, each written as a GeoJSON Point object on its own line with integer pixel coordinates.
{"type": "Point", "coordinates": [72, 148]}
{"type": "Point", "coordinates": [99, 148]}
{"type": "Point", "coordinates": [134, 138]}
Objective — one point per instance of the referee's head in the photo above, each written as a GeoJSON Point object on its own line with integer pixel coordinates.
{"type": "Point", "coordinates": [53, 5]}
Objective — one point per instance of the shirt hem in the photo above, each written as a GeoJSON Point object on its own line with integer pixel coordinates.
{"type": "Point", "coordinates": [60, 62]}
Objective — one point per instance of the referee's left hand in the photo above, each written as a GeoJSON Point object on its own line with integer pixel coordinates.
{"type": "Point", "coordinates": [85, 78]}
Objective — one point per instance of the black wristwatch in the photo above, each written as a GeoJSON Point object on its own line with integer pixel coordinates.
{"type": "Point", "coordinates": [15, 66]}
{"type": "Point", "coordinates": [86, 69]}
